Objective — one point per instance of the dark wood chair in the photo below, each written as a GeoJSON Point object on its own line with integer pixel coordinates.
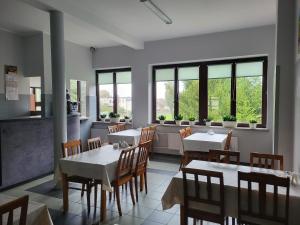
{"type": "Point", "coordinates": [224, 156]}
{"type": "Point", "coordinates": [258, 214]}
{"type": "Point", "coordinates": [183, 134]}
{"type": "Point", "coordinates": [140, 167]}
{"type": "Point", "coordinates": [267, 161]}
{"type": "Point", "coordinates": [228, 140]}
{"type": "Point", "coordinates": [94, 143]}
{"type": "Point", "coordinates": [113, 129]}
{"type": "Point", "coordinates": [121, 126]}
{"type": "Point", "coordinates": [124, 175]}
{"type": "Point", "coordinates": [10, 207]}
{"type": "Point", "coordinates": [208, 199]}
{"type": "Point", "coordinates": [72, 148]}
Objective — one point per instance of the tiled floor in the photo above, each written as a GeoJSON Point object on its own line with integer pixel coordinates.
{"type": "Point", "coordinates": [147, 211]}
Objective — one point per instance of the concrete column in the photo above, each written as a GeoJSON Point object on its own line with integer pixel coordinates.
{"type": "Point", "coordinates": [285, 80]}
{"type": "Point", "coordinates": [58, 82]}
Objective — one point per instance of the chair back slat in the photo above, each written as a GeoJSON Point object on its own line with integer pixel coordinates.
{"type": "Point", "coordinates": [228, 140]}
{"type": "Point", "coordinates": [203, 199]}
{"type": "Point", "coordinates": [8, 208]}
{"type": "Point", "coordinates": [262, 160]}
{"type": "Point", "coordinates": [94, 143]}
{"type": "Point", "coordinates": [263, 180]}
{"type": "Point", "coordinates": [125, 163]}
{"type": "Point", "coordinates": [224, 156]}
{"type": "Point", "coordinates": [72, 147]}
{"type": "Point", "coordinates": [113, 129]}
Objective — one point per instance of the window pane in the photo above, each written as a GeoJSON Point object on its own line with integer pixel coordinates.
{"type": "Point", "coordinates": [124, 77]}
{"type": "Point", "coordinates": [165, 93]}
{"type": "Point", "coordinates": [73, 90]}
{"type": "Point", "coordinates": [106, 93]}
{"type": "Point", "coordinates": [249, 91]}
{"type": "Point", "coordinates": [188, 92]}
{"type": "Point", "coordinates": [38, 95]}
{"type": "Point", "coordinates": [219, 91]}
{"type": "Point", "coordinates": [105, 78]}
{"type": "Point", "coordinates": [124, 100]}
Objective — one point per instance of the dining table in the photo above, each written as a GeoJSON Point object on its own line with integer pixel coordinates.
{"type": "Point", "coordinates": [98, 164]}
{"type": "Point", "coordinates": [204, 142]}
{"type": "Point", "coordinates": [37, 213]}
{"type": "Point", "coordinates": [131, 136]}
{"type": "Point", "coordinates": [174, 192]}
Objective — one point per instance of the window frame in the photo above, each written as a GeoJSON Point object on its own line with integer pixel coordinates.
{"type": "Point", "coordinates": [115, 93]}
{"type": "Point", "coordinates": [203, 87]}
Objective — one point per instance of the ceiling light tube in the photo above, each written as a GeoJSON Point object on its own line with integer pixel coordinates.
{"type": "Point", "coordinates": [157, 11]}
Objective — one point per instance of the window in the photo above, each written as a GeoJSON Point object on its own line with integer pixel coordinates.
{"type": "Point", "coordinates": [212, 89]}
{"type": "Point", "coordinates": [78, 95]}
{"type": "Point", "coordinates": [114, 92]}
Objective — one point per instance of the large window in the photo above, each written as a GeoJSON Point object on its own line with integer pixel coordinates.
{"type": "Point", "coordinates": [114, 92]}
{"type": "Point", "coordinates": [212, 89]}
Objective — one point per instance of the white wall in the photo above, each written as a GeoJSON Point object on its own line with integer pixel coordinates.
{"type": "Point", "coordinates": [240, 43]}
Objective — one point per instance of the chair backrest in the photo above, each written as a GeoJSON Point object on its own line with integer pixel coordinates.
{"type": "Point", "coordinates": [8, 208]}
{"type": "Point", "coordinates": [228, 140]}
{"type": "Point", "coordinates": [209, 198]}
{"type": "Point", "coordinates": [267, 161]}
{"type": "Point", "coordinates": [71, 147]}
{"type": "Point", "coordinates": [94, 143]}
{"type": "Point", "coordinates": [194, 155]}
{"type": "Point", "coordinates": [146, 134]}
{"type": "Point", "coordinates": [260, 211]}
{"type": "Point", "coordinates": [182, 133]}
{"type": "Point", "coordinates": [224, 156]}
{"type": "Point", "coordinates": [113, 129]}
{"type": "Point", "coordinates": [142, 157]}
{"type": "Point", "coordinates": [125, 163]}
{"type": "Point", "coordinates": [121, 126]}
{"type": "Point", "coordinates": [188, 131]}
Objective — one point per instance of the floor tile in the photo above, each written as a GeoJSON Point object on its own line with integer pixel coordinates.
{"type": "Point", "coordinates": [160, 217]}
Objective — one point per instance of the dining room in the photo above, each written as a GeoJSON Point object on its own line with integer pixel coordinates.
{"type": "Point", "coordinates": [147, 112]}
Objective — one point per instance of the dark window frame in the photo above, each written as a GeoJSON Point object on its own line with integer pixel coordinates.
{"type": "Point", "coordinates": [115, 91]}
{"type": "Point", "coordinates": [203, 87]}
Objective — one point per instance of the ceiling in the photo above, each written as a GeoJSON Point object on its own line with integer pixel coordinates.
{"type": "Point", "coordinates": [102, 23]}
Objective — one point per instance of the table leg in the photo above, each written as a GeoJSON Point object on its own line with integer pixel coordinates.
{"type": "Point", "coordinates": [182, 219]}
{"type": "Point", "coordinates": [141, 182]}
{"type": "Point", "coordinates": [65, 186]}
{"type": "Point", "coordinates": [103, 205]}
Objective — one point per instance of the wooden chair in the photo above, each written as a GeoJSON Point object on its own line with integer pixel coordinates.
{"type": "Point", "coordinates": [208, 199]}
{"type": "Point", "coordinates": [267, 161]}
{"type": "Point", "coordinates": [146, 135]}
{"type": "Point", "coordinates": [188, 131]}
{"type": "Point", "coordinates": [258, 214]}
{"type": "Point", "coordinates": [72, 148]}
{"type": "Point", "coordinates": [140, 168]}
{"type": "Point", "coordinates": [10, 207]}
{"type": "Point", "coordinates": [183, 134]}
{"type": "Point", "coordinates": [113, 129]}
{"type": "Point", "coordinates": [94, 143]}
{"type": "Point", "coordinates": [224, 156]}
{"type": "Point", "coordinates": [228, 140]}
{"type": "Point", "coordinates": [124, 175]}
{"type": "Point", "coordinates": [121, 126]}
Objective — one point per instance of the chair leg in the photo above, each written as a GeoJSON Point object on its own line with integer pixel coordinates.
{"type": "Point", "coordinates": [117, 191]}
{"type": "Point", "coordinates": [141, 182]}
{"type": "Point", "coordinates": [136, 188]}
{"type": "Point", "coordinates": [110, 196]}
{"type": "Point", "coordinates": [194, 221]}
{"type": "Point", "coordinates": [88, 196]}
{"type": "Point", "coordinates": [95, 195]}
{"type": "Point", "coordinates": [131, 191]}
{"type": "Point", "coordinates": [145, 180]}
{"type": "Point", "coordinates": [82, 189]}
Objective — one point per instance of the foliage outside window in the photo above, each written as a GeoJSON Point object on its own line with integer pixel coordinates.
{"type": "Point", "coordinates": [114, 92]}
{"type": "Point", "coordinates": [78, 95]}
{"type": "Point", "coordinates": [211, 90]}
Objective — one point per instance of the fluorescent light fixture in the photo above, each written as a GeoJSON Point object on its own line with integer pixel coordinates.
{"type": "Point", "coordinates": [157, 11]}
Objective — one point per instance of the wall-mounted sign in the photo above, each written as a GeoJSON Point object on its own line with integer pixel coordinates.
{"type": "Point", "coordinates": [11, 83]}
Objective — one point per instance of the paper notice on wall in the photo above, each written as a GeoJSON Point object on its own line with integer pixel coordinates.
{"type": "Point", "coordinates": [11, 87]}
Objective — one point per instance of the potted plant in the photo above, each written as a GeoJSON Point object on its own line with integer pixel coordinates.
{"type": "Point", "coordinates": [127, 119]}
{"type": "Point", "coordinates": [253, 124]}
{"type": "Point", "coordinates": [178, 119]}
{"type": "Point", "coordinates": [229, 121]}
{"type": "Point", "coordinates": [162, 119]}
{"type": "Point", "coordinates": [102, 117]}
{"type": "Point", "coordinates": [207, 121]}
{"type": "Point", "coordinates": [192, 121]}
{"type": "Point", "coordinates": [114, 117]}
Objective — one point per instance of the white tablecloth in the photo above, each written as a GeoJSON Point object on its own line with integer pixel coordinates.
{"type": "Point", "coordinates": [37, 213]}
{"type": "Point", "coordinates": [204, 142]}
{"type": "Point", "coordinates": [174, 193]}
{"type": "Point", "coordinates": [98, 164]}
{"type": "Point", "coordinates": [131, 136]}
